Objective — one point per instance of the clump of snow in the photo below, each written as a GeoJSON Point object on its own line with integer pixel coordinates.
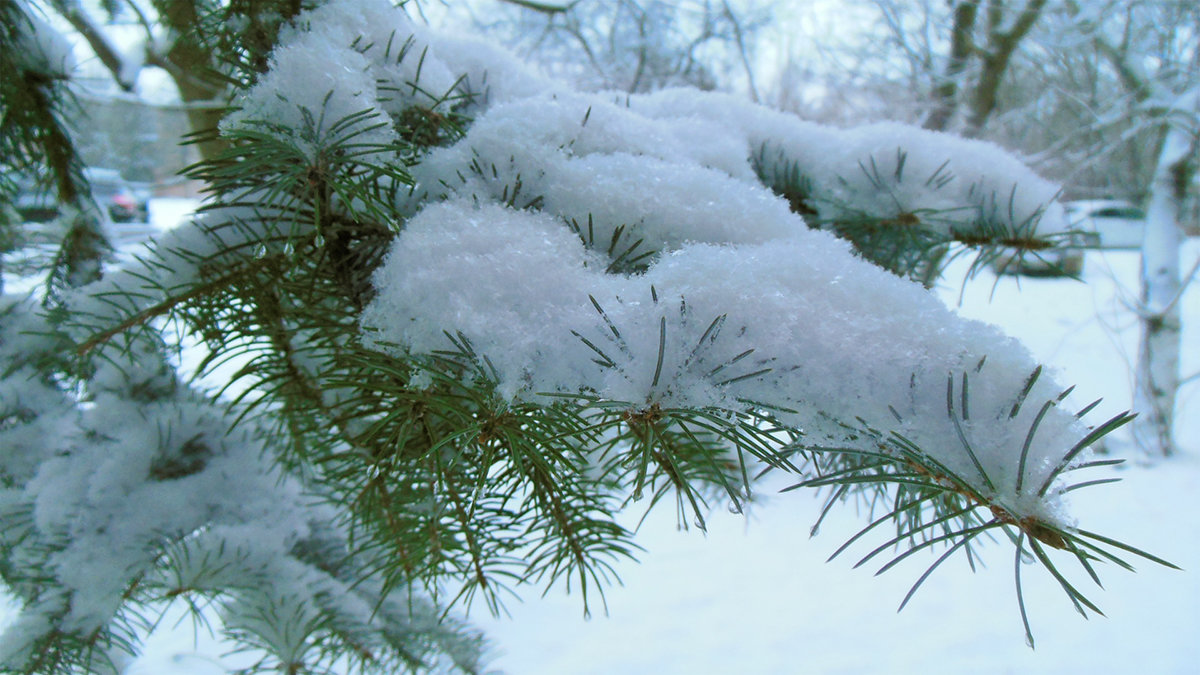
{"type": "Point", "coordinates": [626, 248]}
{"type": "Point", "coordinates": [146, 461]}
{"type": "Point", "coordinates": [370, 61]}
{"type": "Point", "coordinates": [34, 414]}
{"type": "Point", "coordinates": [603, 167]}
{"type": "Point", "coordinates": [43, 50]}
{"type": "Point", "coordinates": [393, 48]}
{"type": "Point", "coordinates": [880, 171]}
{"type": "Point", "coordinates": [345, 59]}
{"type": "Point", "coordinates": [349, 58]}
{"type": "Point", "coordinates": [797, 322]}
{"type": "Point", "coordinates": [149, 490]}
{"type": "Point", "coordinates": [317, 102]}
{"type": "Point", "coordinates": [488, 73]}
{"type": "Point", "coordinates": [978, 629]}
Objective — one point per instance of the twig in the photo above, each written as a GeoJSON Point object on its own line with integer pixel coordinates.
{"type": "Point", "coordinates": [741, 43]}
{"type": "Point", "coordinates": [543, 7]}
{"type": "Point", "coordinates": [156, 310]}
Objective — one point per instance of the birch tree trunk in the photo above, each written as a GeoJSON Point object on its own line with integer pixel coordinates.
{"type": "Point", "coordinates": [1156, 377]}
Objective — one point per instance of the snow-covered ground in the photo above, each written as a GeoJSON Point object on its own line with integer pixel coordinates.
{"type": "Point", "coordinates": [754, 595]}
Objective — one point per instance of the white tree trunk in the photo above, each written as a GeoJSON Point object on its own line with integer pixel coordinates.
{"type": "Point", "coordinates": [1156, 378]}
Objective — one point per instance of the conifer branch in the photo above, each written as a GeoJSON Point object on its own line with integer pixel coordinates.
{"type": "Point", "coordinates": [161, 308]}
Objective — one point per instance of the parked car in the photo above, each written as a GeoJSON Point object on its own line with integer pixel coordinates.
{"type": "Point", "coordinates": [36, 201]}
{"type": "Point", "coordinates": [1117, 224]}
{"type": "Point", "coordinates": [112, 192]}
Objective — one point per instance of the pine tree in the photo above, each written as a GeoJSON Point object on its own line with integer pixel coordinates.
{"type": "Point", "coordinates": [462, 316]}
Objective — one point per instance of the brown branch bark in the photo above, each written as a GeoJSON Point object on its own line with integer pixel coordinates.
{"type": "Point", "coordinates": [962, 44]}
{"type": "Point", "coordinates": [1001, 45]}
{"type": "Point", "coordinates": [543, 7]}
{"type": "Point", "coordinates": [83, 24]}
{"type": "Point", "coordinates": [742, 52]}
{"type": "Point", "coordinates": [190, 63]}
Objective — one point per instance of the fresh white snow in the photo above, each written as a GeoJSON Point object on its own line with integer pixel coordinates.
{"type": "Point", "coordinates": [524, 206]}
{"type": "Point", "coordinates": [755, 596]}
{"type": "Point", "coordinates": [741, 598]}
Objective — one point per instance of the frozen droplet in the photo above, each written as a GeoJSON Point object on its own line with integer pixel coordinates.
{"type": "Point", "coordinates": [289, 249]}
{"type": "Point", "coordinates": [260, 251]}
{"type": "Point", "coordinates": [637, 495]}
{"type": "Point", "coordinates": [699, 522]}
{"type": "Point", "coordinates": [319, 241]}
{"type": "Point", "coordinates": [735, 508]}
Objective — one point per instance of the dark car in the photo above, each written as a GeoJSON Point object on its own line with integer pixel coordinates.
{"type": "Point", "coordinates": [117, 195]}
{"type": "Point", "coordinates": [36, 201]}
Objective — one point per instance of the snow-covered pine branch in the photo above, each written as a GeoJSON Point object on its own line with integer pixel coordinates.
{"type": "Point", "coordinates": [546, 194]}
{"type": "Point", "coordinates": [149, 494]}
{"type": "Point", "coordinates": [470, 313]}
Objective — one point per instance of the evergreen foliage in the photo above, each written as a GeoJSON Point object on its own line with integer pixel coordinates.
{"type": "Point", "coordinates": [35, 138]}
{"type": "Point", "coordinates": [342, 491]}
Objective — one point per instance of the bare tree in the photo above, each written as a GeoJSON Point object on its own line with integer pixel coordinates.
{"type": "Point", "coordinates": [964, 82]}
{"type": "Point", "coordinates": [1101, 96]}
{"type": "Point", "coordinates": [191, 40]}
{"type": "Point", "coordinates": [1152, 48]}
{"type": "Point", "coordinates": [632, 45]}
{"type": "Point", "coordinates": [1157, 377]}
{"type": "Point", "coordinates": [945, 94]}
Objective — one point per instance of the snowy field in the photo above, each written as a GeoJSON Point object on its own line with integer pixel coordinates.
{"type": "Point", "coordinates": [754, 595]}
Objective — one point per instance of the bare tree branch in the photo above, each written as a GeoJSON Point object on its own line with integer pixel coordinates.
{"type": "Point", "coordinates": [741, 44]}
{"type": "Point", "coordinates": [962, 45]}
{"type": "Point", "coordinates": [1001, 45]}
{"type": "Point", "coordinates": [82, 22]}
{"type": "Point", "coordinates": [543, 7]}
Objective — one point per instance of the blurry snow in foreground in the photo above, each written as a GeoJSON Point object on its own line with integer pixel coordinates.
{"type": "Point", "coordinates": [755, 596]}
